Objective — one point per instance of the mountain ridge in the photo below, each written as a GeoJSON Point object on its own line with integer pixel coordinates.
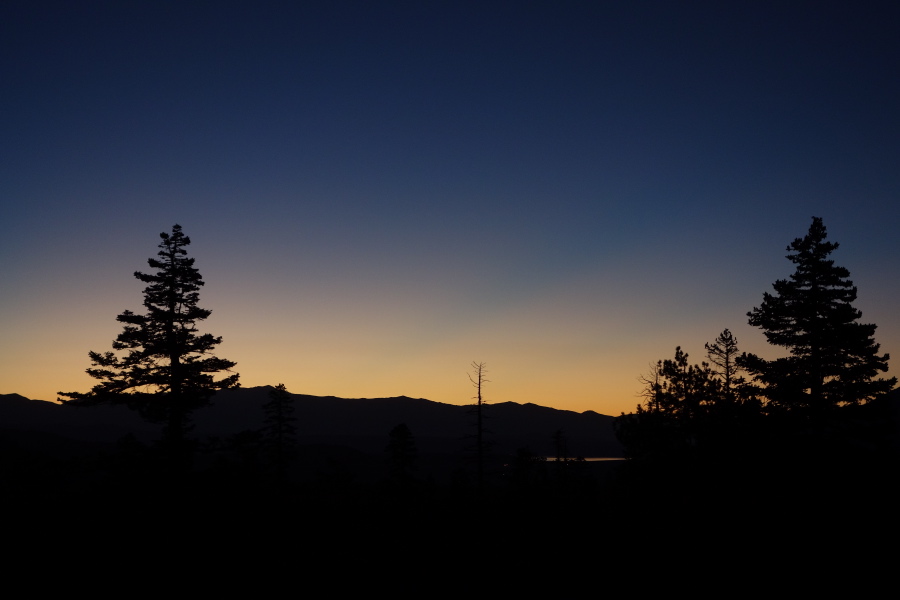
{"type": "Point", "coordinates": [359, 423]}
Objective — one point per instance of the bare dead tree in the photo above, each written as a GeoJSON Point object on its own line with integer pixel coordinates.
{"type": "Point", "coordinates": [478, 379]}
{"type": "Point", "coordinates": [651, 387]}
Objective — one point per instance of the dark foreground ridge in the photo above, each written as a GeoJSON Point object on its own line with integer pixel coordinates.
{"type": "Point", "coordinates": [333, 439]}
{"type": "Point", "coordinates": [360, 424]}
{"type": "Point", "coordinates": [357, 480]}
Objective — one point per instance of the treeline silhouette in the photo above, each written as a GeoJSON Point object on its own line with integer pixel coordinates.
{"type": "Point", "coordinates": [275, 464]}
{"type": "Point", "coordinates": [808, 434]}
{"type": "Point", "coordinates": [735, 437]}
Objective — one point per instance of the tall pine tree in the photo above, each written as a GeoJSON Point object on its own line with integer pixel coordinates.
{"type": "Point", "coordinates": [833, 358]}
{"type": "Point", "coordinates": [168, 367]}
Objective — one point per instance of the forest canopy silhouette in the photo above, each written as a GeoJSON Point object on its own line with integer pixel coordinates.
{"type": "Point", "coordinates": [822, 404]}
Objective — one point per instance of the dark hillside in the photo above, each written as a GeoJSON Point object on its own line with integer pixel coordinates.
{"type": "Point", "coordinates": [359, 423]}
{"type": "Point", "coordinates": [364, 423]}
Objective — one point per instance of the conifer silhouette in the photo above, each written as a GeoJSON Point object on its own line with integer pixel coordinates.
{"type": "Point", "coordinates": [833, 358]}
{"type": "Point", "coordinates": [168, 367]}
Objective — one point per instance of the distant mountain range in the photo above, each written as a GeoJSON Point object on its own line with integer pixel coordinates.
{"type": "Point", "coordinates": [362, 424]}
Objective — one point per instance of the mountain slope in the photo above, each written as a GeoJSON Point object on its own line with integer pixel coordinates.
{"type": "Point", "coordinates": [360, 423]}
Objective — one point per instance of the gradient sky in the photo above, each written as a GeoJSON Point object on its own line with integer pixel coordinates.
{"type": "Point", "coordinates": [380, 193]}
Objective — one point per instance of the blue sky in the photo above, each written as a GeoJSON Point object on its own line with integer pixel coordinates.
{"type": "Point", "coordinates": [380, 193]}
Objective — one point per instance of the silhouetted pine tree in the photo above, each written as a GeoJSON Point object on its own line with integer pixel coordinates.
{"type": "Point", "coordinates": [722, 354]}
{"type": "Point", "coordinates": [168, 368]}
{"type": "Point", "coordinates": [833, 358]}
{"type": "Point", "coordinates": [673, 419]}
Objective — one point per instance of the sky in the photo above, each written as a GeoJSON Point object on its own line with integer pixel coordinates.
{"type": "Point", "coordinates": [380, 193]}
